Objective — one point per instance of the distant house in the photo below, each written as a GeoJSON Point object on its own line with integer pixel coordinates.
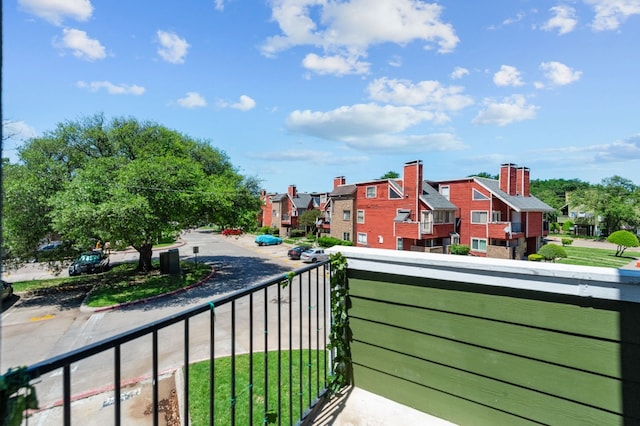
{"type": "Point", "coordinates": [398, 214]}
{"type": "Point", "coordinates": [282, 211]}
{"type": "Point", "coordinates": [498, 218]}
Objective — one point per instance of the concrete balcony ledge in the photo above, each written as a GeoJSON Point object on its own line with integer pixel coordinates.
{"type": "Point", "coordinates": [585, 281]}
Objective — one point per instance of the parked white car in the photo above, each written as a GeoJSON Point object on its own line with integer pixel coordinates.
{"type": "Point", "coordinates": [314, 255]}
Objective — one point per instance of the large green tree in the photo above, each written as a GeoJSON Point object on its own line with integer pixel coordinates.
{"type": "Point", "coordinates": [119, 181]}
{"type": "Point", "coordinates": [616, 200]}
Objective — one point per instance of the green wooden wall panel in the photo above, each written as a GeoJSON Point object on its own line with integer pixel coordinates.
{"type": "Point", "coordinates": [571, 314]}
{"type": "Point", "coordinates": [591, 389]}
{"type": "Point", "coordinates": [447, 407]}
{"type": "Point", "coordinates": [483, 391]}
{"type": "Point", "coordinates": [593, 355]}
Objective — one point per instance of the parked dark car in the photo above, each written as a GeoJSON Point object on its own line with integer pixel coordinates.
{"type": "Point", "coordinates": [295, 252]}
{"type": "Point", "coordinates": [91, 261]}
{"type": "Point", "coordinates": [7, 290]}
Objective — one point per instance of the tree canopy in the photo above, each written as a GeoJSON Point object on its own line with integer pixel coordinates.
{"type": "Point", "coordinates": [623, 239]}
{"type": "Point", "coordinates": [390, 175]}
{"type": "Point", "coordinates": [121, 181]}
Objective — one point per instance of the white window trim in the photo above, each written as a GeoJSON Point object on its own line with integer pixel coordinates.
{"type": "Point", "coordinates": [366, 192]}
{"type": "Point", "coordinates": [358, 219]}
{"type": "Point", "coordinates": [344, 214]}
{"type": "Point", "coordinates": [445, 191]}
{"type": "Point", "coordinates": [479, 211]}
{"type": "Point", "coordinates": [478, 196]}
{"type": "Point", "coordinates": [362, 238]}
{"type": "Point", "coordinates": [479, 239]}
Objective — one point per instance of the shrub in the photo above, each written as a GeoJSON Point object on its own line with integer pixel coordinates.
{"type": "Point", "coordinates": [566, 227]}
{"type": "Point", "coordinates": [535, 257]}
{"type": "Point", "coordinates": [554, 227]}
{"type": "Point", "coordinates": [296, 233]}
{"type": "Point", "coordinates": [567, 241]}
{"type": "Point", "coordinates": [552, 252]}
{"type": "Point", "coordinates": [459, 249]}
{"type": "Point", "coordinates": [325, 242]}
{"type": "Point", "coordinates": [623, 239]}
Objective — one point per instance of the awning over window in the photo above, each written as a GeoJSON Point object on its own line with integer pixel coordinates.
{"type": "Point", "coordinates": [402, 216]}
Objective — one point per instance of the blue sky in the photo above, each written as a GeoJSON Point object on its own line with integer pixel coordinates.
{"type": "Point", "coordinates": [300, 91]}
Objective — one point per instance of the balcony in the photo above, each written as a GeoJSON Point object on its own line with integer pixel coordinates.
{"type": "Point", "coordinates": [505, 230]}
{"type": "Point", "coordinates": [472, 341]}
{"type": "Point", "coordinates": [286, 219]}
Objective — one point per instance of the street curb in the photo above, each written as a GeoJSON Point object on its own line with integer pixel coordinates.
{"type": "Point", "coordinates": [85, 308]}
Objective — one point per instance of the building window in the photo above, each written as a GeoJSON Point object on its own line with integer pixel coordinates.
{"type": "Point", "coordinates": [479, 216]}
{"type": "Point", "coordinates": [362, 238]}
{"type": "Point", "coordinates": [360, 218]}
{"type": "Point", "coordinates": [371, 192]}
{"type": "Point", "coordinates": [346, 236]}
{"type": "Point", "coordinates": [274, 213]}
{"type": "Point", "coordinates": [477, 195]}
{"type": "Point", "coordinates": [442, 216]}
{"type": "Point", "coordinates": [393, 194]}
{"type": "Point", "coordinates": [478, 244]}
{"type": "Point", "coordinates": [444, 191]}
{"type": "Point", "coordinates": [496, 216]}
{"type": "Point", "coordinates": [399, 245]}
{"type": "Point", "coordinates": [346, 214]}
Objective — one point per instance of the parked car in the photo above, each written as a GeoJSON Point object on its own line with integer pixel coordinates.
{"type": "Point", "coordinates": [295, 252]}
{"type": "Point", "coordinates": [7, 290]}
{"type": "Point", "coordinates": [268, 240]}
{"type": "Point", "coordinates": [91, 261]}
{"type": "Point", "coordinates": [314, 255]}
{"type": "Point", "coordinates": [232, 231]}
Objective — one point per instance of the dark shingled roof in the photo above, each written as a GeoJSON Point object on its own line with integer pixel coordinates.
{"type": "Point", "coordinates": [343, 190]}
{"type": "Point", "coordinates": [517, 202]}
{"type": "Point", "coordinates": [436, 201]}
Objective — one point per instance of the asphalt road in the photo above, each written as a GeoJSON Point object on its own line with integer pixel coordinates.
{"type": "Point", "coordinates": [34, 329]}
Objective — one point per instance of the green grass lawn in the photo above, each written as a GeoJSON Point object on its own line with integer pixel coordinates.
{"type": "Point", "coordinates": [224, 402]}
{"type": "Point", "coordinates": [121, 284]}
{"type": "Point", "coordinates": [595, 257]}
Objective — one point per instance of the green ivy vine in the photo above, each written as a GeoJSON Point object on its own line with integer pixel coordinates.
{"type": "Point", "coordinates": [340, 335]}
{"type": "Point", "coordinates": [16, 396]}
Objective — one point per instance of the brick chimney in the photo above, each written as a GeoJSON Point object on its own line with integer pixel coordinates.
{"type": "Point", "coordinates": [412, 179]}
{"type": "Point", "coordinates": [522, 182]}
{"type": "Point", "coordinates": [508, 172]}
{"type": "Point", "coordinates": [292, 191]}
{"type": "Point", "coordinates": [339, 180]}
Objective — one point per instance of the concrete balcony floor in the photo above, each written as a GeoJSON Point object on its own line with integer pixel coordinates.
{"type": "Point", "coordinates": [357, 407]}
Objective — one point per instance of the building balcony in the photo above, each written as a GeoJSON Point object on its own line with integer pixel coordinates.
{"type": "Point", "coordinates": [466, 340]}
{"type": "Point", "coordinates": [286, 219]}
{"type": "Point", "coordinates": [505, 230]}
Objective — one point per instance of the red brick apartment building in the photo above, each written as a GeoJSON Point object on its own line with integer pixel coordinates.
{"type": "Point", "coordinates": [282, 211]}
{"type": "Point", "coordinates": [495, 218]}
{"type": "Point", "coordinates": [397, 214]}
{"type": "Point", "coordinates": [498, 218]}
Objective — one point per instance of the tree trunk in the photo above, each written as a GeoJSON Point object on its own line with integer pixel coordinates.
{"type": "Point", "coordinates": [144, 262]}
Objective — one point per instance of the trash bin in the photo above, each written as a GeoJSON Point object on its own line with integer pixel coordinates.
{"type": "Point", "coordinates": [170, 262]}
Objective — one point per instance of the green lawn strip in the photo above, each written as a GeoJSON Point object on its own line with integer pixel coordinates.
{"type": "Point", "coordinates": [121, 284]}
{"type": "Point", "coordinates": [595, 257]}
{"type": "Point", "coordinates": [132, 287]}
{"type": "Point", "coordinates": [223, 402]}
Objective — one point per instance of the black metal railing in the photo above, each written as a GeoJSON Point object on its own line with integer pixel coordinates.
{"type": "Point", "coordinates": [236, 317]}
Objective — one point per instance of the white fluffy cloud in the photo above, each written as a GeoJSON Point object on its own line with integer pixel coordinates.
{"type": "Point", "coordinates": [17, 130]}
{"type": "Point", "coordinates": [349, 28]}
{"type": "Point", "coordinates": [319, 158]}
{"type": "Point", "coordinates": [111, 88]}
{"type": "Point", "coordinates": [507, 111]}
{"type": "Point", "coordinates": [428, 94]}
{"type": "Point", "coordinates": [610, 14]}
{"type": "Point", "coordinates": [507, 76]}
{"type": "Point", "coordinates": [172, 48]}
{"type": "Point", "coordinates": [458, 73]}
{"type": "Point", "coordinates": [559, 74]}
{"type": "Point", "coordinates": [81, 45]}
{"type": "Point", "coordinates": [192, 100]}
{"type": "Point", "coordinates": [621, 150]}
{"type": "Point", "coordinates": [564, 19]}
{"type": "Point", "coordinates": [338, 65]}
{"type": "Point", "coordinates": [55, 11]}
{"type": "Point", "coordinates": [372, 127]}
{"type": "Point", "coordinates": [244, 104]}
